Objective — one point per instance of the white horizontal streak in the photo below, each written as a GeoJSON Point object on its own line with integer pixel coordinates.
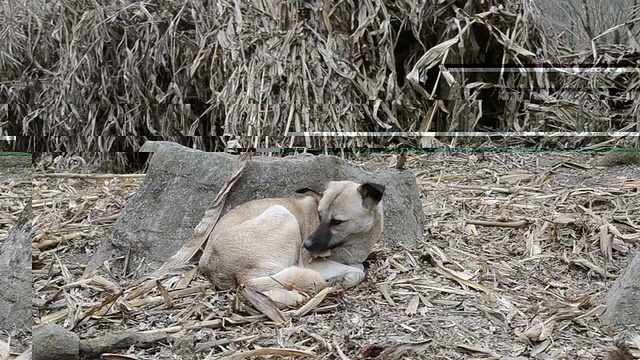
{"type": "Point", "coordinates": [461, 134]}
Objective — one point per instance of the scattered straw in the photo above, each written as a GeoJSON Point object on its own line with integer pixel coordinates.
{"type": "Point", "coordinates": [468, 290]}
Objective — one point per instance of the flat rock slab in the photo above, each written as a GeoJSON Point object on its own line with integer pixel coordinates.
{"type": "Point", "coordinates": [181, 183]}
{"type": "Point", "coordinates": [623, 300]}
{"type": "Point", "coordinates": [15, 275]}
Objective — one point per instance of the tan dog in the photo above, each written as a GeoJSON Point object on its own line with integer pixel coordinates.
{"type": "Point", "coordinates": [275, 244]}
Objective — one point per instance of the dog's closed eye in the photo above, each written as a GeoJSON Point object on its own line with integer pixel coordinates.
{"type": "Point", "coordinates": [335, 222]}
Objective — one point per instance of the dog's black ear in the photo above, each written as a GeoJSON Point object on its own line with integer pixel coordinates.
{"type": "Point", "coordinates": [371, 194]}
{"type": "Point", "coordinates": [317, 188]}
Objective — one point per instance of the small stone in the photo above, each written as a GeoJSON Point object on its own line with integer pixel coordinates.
{"type": "Point", "coordinates": [54, 342]}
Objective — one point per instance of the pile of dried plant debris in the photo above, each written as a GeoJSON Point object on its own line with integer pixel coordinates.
{"type": "Point", "coordinates": [512, 267]}
{"type": "Point", "coordinates": [257, 71]}
{"type": "Point", "coordinates": [592, 98]}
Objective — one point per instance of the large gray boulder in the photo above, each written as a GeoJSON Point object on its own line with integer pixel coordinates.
{"type": "Point", "coordinates": [181, 183]}
{"type": "Point", "coordinates": [15, 275]}
{"type": "Point", "coordinates": [623, 300]}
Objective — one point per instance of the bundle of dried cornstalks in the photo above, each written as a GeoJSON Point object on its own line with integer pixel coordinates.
{"type": "Point", "coordinates": [79, 71]}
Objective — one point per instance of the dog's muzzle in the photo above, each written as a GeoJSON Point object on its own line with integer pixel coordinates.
{"type": "Point", "coordinates": [319, 241]}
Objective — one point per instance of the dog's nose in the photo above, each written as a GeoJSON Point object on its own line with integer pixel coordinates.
{"type": "Point", "coordinates": [308, 245]}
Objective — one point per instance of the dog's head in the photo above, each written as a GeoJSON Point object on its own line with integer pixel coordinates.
{"type": "Point", "coordinates": [345, 208]}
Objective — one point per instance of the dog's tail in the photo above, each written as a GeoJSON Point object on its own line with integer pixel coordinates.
{"type": "Point", "coordinates": [290, 286]}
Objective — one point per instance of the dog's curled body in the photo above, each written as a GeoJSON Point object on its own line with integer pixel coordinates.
{"type": "Point", "coordinates": [270, 244]}
{"type": "Point", "coordinates": [258, 244]}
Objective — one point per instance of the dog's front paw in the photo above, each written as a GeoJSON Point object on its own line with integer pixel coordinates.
{"type": "Point", "coordinates": [348, 280]}
{"type": "Point", "coordinates": [324, 254]}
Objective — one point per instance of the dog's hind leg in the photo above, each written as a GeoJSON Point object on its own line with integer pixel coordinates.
{"type": "Point", "coordinates": [285, 298]}
{"type": "Point", "coordinates": [294, 277]}
{"type": "Point", "coordinates": [287, 287]}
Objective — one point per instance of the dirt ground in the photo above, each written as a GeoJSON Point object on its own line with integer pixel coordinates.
{"type": "Point", "coordinates": [511, 267]}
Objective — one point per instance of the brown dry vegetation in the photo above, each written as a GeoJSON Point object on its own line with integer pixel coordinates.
{"type": "Point", "coordinates": [73, 71]}
{"type": "Point", "coordinates": [513, 266]}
